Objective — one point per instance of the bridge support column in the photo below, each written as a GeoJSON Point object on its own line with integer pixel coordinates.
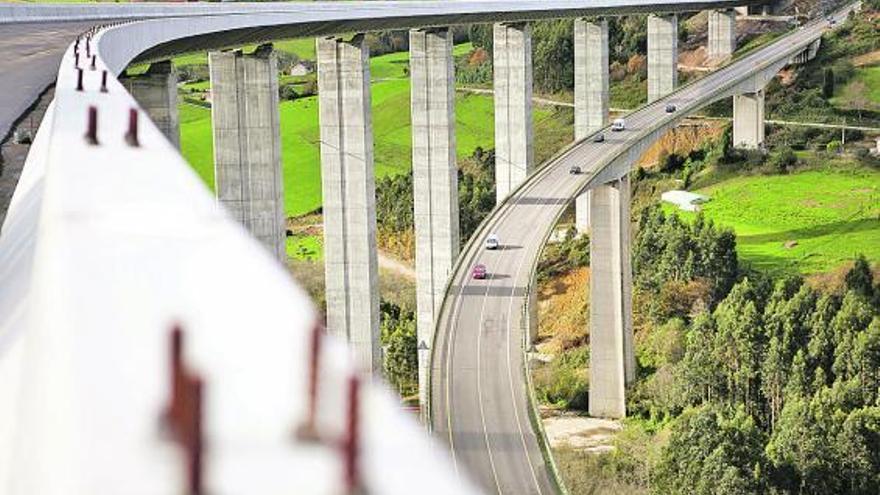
{"type": "Point", "coordinates": [612, 362]}
{"type": "Point", "coordinates": [662, 55]}
{"type": "Point", "coordinates": [722, 34]}
{"type": "Point", "coordinates": [247, 142]}
{"type": "Point", "coordinates": [349, 189]}
{"type": "Point", "coordinates": [156, 92]}
{"type": "Point", "coordinates": [748, 120]}
{"type": "Point", "coordinates": [435, 180]}
{"type": "Point", "coordinates": [514, 153]}
{"type": "Point", "coordinates": [590, 93]}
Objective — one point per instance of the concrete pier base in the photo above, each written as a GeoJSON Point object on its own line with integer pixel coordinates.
{"type": "Point", "coordinates": [435, 181]}
{"type": "Point", "coordinates": [156, 92]}
{"type": "Point", "coordinates": [662, 55]}
{"type": "Point", "coordinates": [722, 34]}
{"type": "Point", "coordinates": [612, 361]}
{"type": "Point", "coordinates": [514, 152]}
{"type": "Point", "coordinates": [349, 190]}
{"type": "Point", "coordinates": [748, 120]}
{"type": "Point", "coordinates": [247, 142]}
{"type": "Point", "coordinates": [591, 80]}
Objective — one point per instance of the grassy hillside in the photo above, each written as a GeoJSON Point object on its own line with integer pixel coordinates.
{"type": "Point", "coordinates": [832, 213]}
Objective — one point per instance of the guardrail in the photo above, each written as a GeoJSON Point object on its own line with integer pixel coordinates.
{"type": "Point", "coordinates": [112, 251]}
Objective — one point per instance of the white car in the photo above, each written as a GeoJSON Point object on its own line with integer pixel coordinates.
{"type": "Point", "coordinates": [618, 125]}
{"type": "Point", "coordinates": [492, 242]}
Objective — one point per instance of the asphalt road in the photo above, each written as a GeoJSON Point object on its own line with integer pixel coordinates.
{"type": "Point", "coordinates": [479, 404]}
{"type": "Point", "coordinates": [29, 64]}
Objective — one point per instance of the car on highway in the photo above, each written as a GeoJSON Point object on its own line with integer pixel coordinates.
{"type": "Point", "coordinates": [670, 108]}
{"type": "Point", "coordinates": [618, 125]}
{"type": "Point", "coordinates": [574, 170]}
{"type": "Point", "coordinates": [599, 138]}
{"type": "Point", "coordinates": [479, 272]}
{"type": "Point", "coordinates": [492, 241]}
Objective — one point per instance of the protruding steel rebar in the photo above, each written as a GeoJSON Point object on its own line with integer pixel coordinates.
{"type": "Point", "coordinates": [92, 126]}
{"type": "Point", "coordinates": [351, 439]}
{"type": "Point", "coordinates": [172, 414]}
{"type": "Point", "coordinates": [93, 65]}
{"type": "Point", "coordinates": [104, 81]}
{"type": "Point", "coordinates": [79, 79]}
{"type": "Point", "coordinates": [193, 435]}
{"type": "Point", "coordinates": [308, 431]}
{"type": "Point", "coordinates": [131, 136]}
{"type": "Point", "coordinates": [76, 59]}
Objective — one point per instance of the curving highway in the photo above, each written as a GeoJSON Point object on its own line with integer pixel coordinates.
{"type": "Point", "coordinates": [479, 401]}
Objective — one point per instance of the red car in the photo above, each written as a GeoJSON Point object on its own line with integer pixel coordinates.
{"type": "Point", "coordinates": [479, 272]}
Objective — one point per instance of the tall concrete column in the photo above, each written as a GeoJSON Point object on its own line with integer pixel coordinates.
{"type": "Point", "coordinates": [722, 34]}
{"type": "Point", "coordinates": [612, 362]}
{"type": "Point", "coordinates": [156, 92]}
{"type": "Point", "coordinates": [247, 142]}
{"type": "Point", "coordinates": [748, 120]}
{"type": "Point", "coordinates": [662, 55]}
{"type": "Point", "coordinates": [435, 180]}
{"type": "Point", "coordinates": [349, 189]}
{"type": "Point", "coordinates": [514, 152]}
{"type": "Point", "coordinates": [590, 93]}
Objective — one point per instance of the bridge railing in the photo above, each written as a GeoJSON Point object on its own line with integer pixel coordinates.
{"type": "Point", "coordinates": [146, 340]}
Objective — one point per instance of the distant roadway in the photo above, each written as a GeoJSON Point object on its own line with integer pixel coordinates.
{"type": "Point", "coordinates": [29, 58]}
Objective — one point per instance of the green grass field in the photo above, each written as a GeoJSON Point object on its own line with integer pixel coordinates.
{"type": "Point", "coordinates": [870, 76]}
{"type": "Point", "coordinates": [391, 131]}
{"type": "Point", "coordinates": [833, 213]}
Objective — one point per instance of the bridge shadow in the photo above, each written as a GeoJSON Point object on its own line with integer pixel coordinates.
{"type": "Point", "coordinates": [491, 291]}
{"type": "Point", "coordinates": [508, 247]}
{"type": "Point", "coordinates": [828, 229]}
{"type": "Point", "coordinates": [476, 441]}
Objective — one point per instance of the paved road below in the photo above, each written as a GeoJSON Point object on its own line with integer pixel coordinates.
{"type": "Point", "coordinates": [29, 63]}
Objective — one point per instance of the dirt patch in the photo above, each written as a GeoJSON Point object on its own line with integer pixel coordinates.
{"type": "Point", "coordinates": [581, 432]}
{"type": "Point", "coordinates": [866, 59]}
{"type": "Point", "coordinates": [563, 311]}
{"type": "Point", "coordinates": [810, 203]}
{"type": "Point", "coordinates": [688, 136]}
{"type": "Point", "coordinates": [693, 60]}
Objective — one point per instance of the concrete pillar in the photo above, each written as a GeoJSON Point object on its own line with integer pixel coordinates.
{"type": "Point", "coordinates": [590, 93]}
{"type": "Point", "coordinates": [435, 180]}
{"type": "Point", "coordinates": [514, 153]}
{"type": "Point", "coordinates": [612, 361]}
{"type": "Point", "coordinates": [349, 189]}
{"type": "Point", "coordinates": [247, 142]}
{"type": "Point", "coordinates": [156, 92]}
{"type": "Point", "coordinates": [662, 55]}
{"type": "Point", "coordinates": [722, 34]}
{"type": "Point", "coordinates": [748, 120]}
{"type": "Point", "coordinates": [742, 11]}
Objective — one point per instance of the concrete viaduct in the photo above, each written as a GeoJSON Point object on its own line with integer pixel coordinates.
{"type": "Point", "coordinates": [247, 144]}
{"type": "Point", "coordinates": [454, 313]}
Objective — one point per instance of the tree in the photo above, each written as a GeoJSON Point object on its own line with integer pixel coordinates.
{"type": "Point", "coordinates": [711, 448]}
{"type": "Point", "coordinates": [740, 344]}
{"type": "Point", "coordinates": [858, 446]}
{"type": "Point", "coordinates": [801, 449]}
{"type": "Point", "coordinates": [828, 83]}
{"type": "Point", "coordinates": [860, 279]}
{"type": "Point", "coordinates": [853, 318]}
{"type": "Point", "coordinates": [398, 335]}
{"type": "Point", "coordinates": [856, 96]}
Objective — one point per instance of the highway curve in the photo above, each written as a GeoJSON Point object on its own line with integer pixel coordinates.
{"type": "Point", "coordinates": [479, 403]}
